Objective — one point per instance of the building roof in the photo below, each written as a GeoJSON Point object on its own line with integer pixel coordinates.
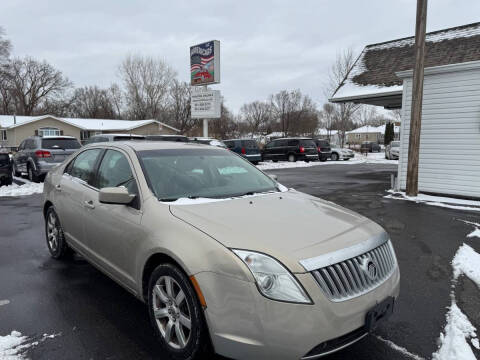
{"type": "Point", "coordinates": [372, 129]}
{"type": "Point", "coordinates": [8, 121]}
{"type": "Point", "coordinates": [324, 132]}
{"type": "Point", "coordinates": [372, 79]}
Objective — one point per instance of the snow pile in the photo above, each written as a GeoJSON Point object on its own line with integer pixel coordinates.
{"type": "Point", "coordinates": [453, 342]}
{"type": "Point", "coordinates": [467, 262]}
{"type": "Point", "coordinates": [371, 158]}
{"type": "Point", "coordinates": [12, 346]}
{"type": "Point", "coordinates": [28, 188]}
{"type": "Point", "coordinates": [441, 201]}
{"type": "Point", "coordinates": [474, 233]}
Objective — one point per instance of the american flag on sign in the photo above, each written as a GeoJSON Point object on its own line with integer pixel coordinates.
{"type": "Point", "coordinates": [199, 63]}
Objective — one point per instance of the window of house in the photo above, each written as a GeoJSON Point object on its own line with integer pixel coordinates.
{"type": "Point", "coordinates": [47, 131]}
{"type": "Point", "coordinates": [84, 134]}
{"type": "Point", "coordinates": [3, 135]}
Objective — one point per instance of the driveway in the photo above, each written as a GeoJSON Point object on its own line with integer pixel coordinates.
{"type": "Point", "coordinates": [84, 315]}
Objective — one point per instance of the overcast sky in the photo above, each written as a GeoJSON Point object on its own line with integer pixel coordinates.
{"type": "Point", "coordinates": [266, 46]}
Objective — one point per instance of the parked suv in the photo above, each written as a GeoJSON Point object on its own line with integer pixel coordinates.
{"type": "Point", "coordinates": [37, 155]}
{"type": "Point", "coordinates": [247, 148]}
{"type": "Point", "coordinates": [291, 149]}
{"type": "Point", "coordinates": [324, 149]}
{"type": "Point", "coordinates": [5, 169]}
{"type": "Point", "coordinates": [113, 137]}
{"type": "Point", "coordinates": [369, 146]}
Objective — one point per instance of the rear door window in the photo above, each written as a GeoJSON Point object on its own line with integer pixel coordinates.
{"type": "Point", "coordinates": [84, 164]}
{"type": "Point", "coordinates": [292, 142]}
{"type": "Point", "coordinates": [230, 144]}
{"type": "Point", "coordinates": [307, 143]}
{"type": "Point", "coordinates": [4, 159]}
{"type": "Point", "coordinates": [281, 143]}
{"type": "Point", "coordinates": [60, 144]}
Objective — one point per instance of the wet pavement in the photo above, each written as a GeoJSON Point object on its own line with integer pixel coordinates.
{"type": "Point", "coordinates": [96, 319]}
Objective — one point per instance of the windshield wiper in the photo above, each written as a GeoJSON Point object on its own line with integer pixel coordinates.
{"type": "Point", "coordinates": [168, 199]}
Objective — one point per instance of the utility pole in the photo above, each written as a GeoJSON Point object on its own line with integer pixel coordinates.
{"type": "Point", "coordinates": [417, 99]}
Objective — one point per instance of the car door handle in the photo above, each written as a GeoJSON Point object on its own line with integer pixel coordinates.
{"type": "Point", "coordinates": [89, 204]}
{"type": "Point", "coordinates": [58, 187]}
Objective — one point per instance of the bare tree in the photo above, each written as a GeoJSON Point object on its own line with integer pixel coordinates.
{"type": "Point", "coordinates": [33, 82]}
{"type": "Point", "coordinates": [178, 114]}
{"type": "Point", "coordinates": [93, 102]}
{"type": "Point", "coordinates": [146, 82]}
{"type": "Point", "coordinates": [367, 115]}
{"type": "Point", "coordinates": [116, 97]}
{"type": "Point", "coordinates": [5, 46]}
{"type": "Point", "coordinates": [257, 115]}
{"type": "Point", "coordinates": [344, 112]}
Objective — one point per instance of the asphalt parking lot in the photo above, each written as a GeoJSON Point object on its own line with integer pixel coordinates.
{"type": "Point", "coordinates": [94, 318]}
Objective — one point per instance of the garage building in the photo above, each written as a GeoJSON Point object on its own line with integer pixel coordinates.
{"type": "Point", "coordinates": [450, 136]}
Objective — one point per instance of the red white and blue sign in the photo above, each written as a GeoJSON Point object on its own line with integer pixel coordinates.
{"type": "Point", "coordinates": [205, 63]}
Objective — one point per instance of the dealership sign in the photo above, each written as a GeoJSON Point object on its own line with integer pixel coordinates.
{"type": "Point", "coordinates": [205, 63]}
{"type": "Point", "coordinates": [205, 104]}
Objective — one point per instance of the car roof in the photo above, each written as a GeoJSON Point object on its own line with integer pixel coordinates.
{"type": "Point", "coordinates": [119, 134]}
{"type": "Point", "coordinates": [153, 145]}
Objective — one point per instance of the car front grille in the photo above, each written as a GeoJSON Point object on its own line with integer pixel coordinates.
{"type": "Point", "coordinates": [357, 276]}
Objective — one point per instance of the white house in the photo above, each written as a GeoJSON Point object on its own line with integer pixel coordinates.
{"type": "Point", "coordinates": [450, 133]}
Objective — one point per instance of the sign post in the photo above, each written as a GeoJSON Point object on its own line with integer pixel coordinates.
{"type": "Point", "coordinates": [205, 70]}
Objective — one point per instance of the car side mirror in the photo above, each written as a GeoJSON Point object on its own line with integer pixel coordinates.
{"type": "Point", "coordinates": [273, 176]}
{"type": "Point", "coordinates": [115, 195]}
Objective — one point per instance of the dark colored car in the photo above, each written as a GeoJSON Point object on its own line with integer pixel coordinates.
{"type": "Point", "coordinates": [291, 149]}
{"type": "Point", "coordinates": [208, 141]}
{"type": "Point", "coordinates": [113, 137]}
{"type": "Point", "coordinates": [247, 148]}
{"type": "Point", "coordinates": [37, 155]}
{"type": "Point", "coordinates": [6, 177]}
{"type": "Point", "coordinates": [177, 138]}
{"type": "Point", "coordinates": [369, 146]}
{"type": "Point", "coordinates": [324, 149]}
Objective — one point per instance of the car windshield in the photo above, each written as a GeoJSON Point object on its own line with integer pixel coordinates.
{"type": "Point", "coordinates": [395, 143]}
{"type": "Point", "coordinates": [60, 144]}
{"type": "Point", "coordinates": [201, 173]}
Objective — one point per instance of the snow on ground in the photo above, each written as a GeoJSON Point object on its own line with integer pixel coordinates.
{"type": "Point", "coordinates": [400, 349]}
{"type": "Point", "coordinates": [467, 262]}
{"type": "Point", "coordinates": [28, 188]}
{"type": "Point", "coordinates": [14, 345]}
{"type": "Point", "coordinates": [441, 201]}
{"type": "Point", "coordinates": [371, 158]}
{"type": "Point", "coordinates": [453, 342]}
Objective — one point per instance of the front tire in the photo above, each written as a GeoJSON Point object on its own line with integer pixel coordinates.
{"type": "Point", "coordinates": [176, 314]}
{"type": "Point", "coordinates": [55, 236]}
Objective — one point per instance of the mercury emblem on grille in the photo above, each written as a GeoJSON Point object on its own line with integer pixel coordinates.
{"type": "Point", "coordinates": [369, 268]}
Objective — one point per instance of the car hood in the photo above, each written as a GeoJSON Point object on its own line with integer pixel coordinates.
{"type": "Point", "coordinates": [290, 226]}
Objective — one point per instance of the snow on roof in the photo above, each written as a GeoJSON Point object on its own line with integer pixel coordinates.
{"type": "Point", "coordinates": [324, 132]}
{"type": "Point", "coordinates": [7, 121]}
{"type": "Point", "coordinates": [372, 129]}
{"type": "Point", "coordinates": [373, 74]}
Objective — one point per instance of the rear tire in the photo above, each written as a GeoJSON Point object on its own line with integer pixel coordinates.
{"type": "Point", "coordinates": [57, 245]}
{"type": "Point", "coordinates": [15, 172]}
{"type": "Point", "coordinates": [334, 157]}
{"type": "Point", "coordinates": [292, 158]}
{"type": "Point", "coordinates": [176, 314]}
{"type": "Point", "coordinates": [32, 176]}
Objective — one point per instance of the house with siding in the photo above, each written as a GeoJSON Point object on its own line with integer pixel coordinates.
{"type": "Point", "coordinates": [370, 133]}
{"type": "Point", "coordinates": [15, 129]}
{"type": "Point", "coordinates": [450, 134]}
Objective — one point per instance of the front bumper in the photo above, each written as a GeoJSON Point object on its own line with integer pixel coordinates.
{"type": "Point", "coordinates": [394, 156]}
{"type": "Point", "coordinates": [245, 325]}
{"type": "Point", "coordinates": [344, 156]}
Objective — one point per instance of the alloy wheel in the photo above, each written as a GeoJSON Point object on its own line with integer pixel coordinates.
{"type": "Point", "coordinates": [53, 232]}
{"type": "Point", "coordinates": [172, 312]}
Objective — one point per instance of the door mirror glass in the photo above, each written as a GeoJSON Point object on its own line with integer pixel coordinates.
{"type": "Point", "coordinates": [115, 195]}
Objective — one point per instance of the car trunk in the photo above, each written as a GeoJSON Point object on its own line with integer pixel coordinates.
{"type": "Point", "coordinates": [250, 147]}
{"type": "Point", "coordinates": [57, 150]}
{"type": "Point", "coordinates": [309, 147]}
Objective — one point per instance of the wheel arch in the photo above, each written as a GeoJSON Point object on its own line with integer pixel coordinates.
{"type": "Point", "coordinates": [47, 205]}
{"type": "Point", "coordinates": [152, 262]}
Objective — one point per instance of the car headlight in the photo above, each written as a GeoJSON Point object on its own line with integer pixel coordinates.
{"type": "Point", "coordinates": [273, 280]}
